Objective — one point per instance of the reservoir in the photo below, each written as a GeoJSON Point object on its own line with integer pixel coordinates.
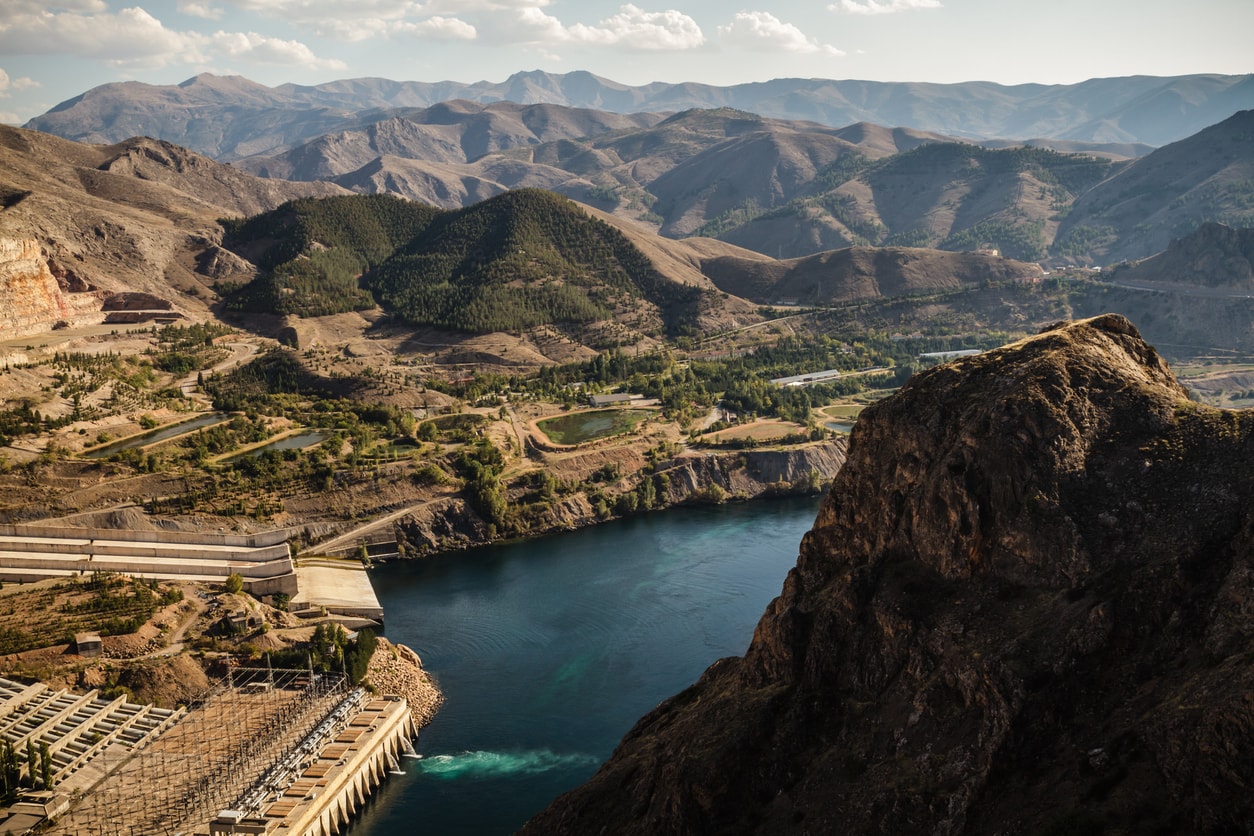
{"type": "Point", "coordinates": [159, 434]}
{"type": "Point", "coordinates": [549, 650]}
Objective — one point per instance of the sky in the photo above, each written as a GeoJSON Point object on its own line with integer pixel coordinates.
{"type": "Point", "coordinates": [50, 52]}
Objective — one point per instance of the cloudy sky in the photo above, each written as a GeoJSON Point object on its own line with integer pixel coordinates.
{"type": "Point", "coordinates": [52, 51]}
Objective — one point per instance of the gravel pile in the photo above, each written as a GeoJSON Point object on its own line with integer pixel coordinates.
{"type": "Point", "coordinates": [395, 669]}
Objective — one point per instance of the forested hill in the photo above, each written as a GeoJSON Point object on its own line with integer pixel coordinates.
{"type": "Point", "coordinates": [313, 252]}
{"type": "Point", "coordinates": [521, 259]}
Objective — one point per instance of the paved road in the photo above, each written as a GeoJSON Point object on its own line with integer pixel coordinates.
{"type": "Point", "coordinates": [1181, 290]}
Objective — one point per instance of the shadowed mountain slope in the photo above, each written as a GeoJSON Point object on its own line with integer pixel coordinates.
{"type": "Point", "coordinates": [1025, 606]}
{"type": "Point", "coordinates": [1168, 194]}
{"type": "Point", "coordinates": [1215, 256]}
{"type": "Point", "coordinates": [863, 273]}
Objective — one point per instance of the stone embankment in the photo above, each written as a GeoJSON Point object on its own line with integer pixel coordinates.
{"type": "Point", "coordinates": [395, 669]}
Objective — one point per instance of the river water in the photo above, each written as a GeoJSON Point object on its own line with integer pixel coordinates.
{"type": "Point", "coordinates": [549, 650]}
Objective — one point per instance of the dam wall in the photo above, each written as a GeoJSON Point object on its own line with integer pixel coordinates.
{"type": "Point", "coordinates": [31, 553]}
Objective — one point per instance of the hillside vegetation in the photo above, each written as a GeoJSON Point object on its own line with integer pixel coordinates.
{"type": "Point", "coordinates": [792, 188]}
{"type": "Point", "coordinates": [522, 259]}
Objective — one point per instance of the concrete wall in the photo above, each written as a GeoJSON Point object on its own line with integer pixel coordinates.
{"type": "Point", "coordinates": [265, 538]}
{"type": "Point", "coordinates": [30, 553]}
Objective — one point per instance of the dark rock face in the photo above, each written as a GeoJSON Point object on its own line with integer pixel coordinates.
{"type": "Point", "coordinates": [1026, 606]}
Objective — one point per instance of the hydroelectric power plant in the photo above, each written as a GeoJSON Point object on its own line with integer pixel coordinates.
{"type": "Point", "coordinates": [261, 751]}
{"type": "Point", "coordinates": [264, 751]}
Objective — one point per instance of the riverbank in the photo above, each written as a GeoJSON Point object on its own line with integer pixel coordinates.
{"type": "Point", "coordinates": [396, 669]}
{"type": "Point", "coordinates": [627, 488]}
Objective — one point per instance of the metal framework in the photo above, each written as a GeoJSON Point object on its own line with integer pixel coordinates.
{"type": "Point", "coordinates": [228, 748]}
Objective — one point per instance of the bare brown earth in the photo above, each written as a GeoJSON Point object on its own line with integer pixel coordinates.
{"type": "Point", "coordinates": [171, 659]}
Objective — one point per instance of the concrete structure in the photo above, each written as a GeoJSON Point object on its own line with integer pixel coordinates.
{"type": "Point", "coordinates": [942, 356]}
{"type": "Point", "coordinates": [88, 644]}
{"type": "Point", "coordinates": [263, 752]}
{"type": "Point", "coordinates": [338, 587]}
{"type": "Point", "coordinates": [30, 553]}
{"type": "Point", "coordinates": [330, 775]}
{"type": "Point", "coordinates": [79, 730]}
{"type": "Point", "coordinates": [613, 398]}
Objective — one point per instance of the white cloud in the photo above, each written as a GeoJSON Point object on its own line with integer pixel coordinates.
{"type": "Point", "coordinates": [132, 37]}
{"type": "Point", "coordinates": [7, 118]}
{"type": "Point", "coordinates": [528, 25]}
{"type": "Point", "coordinates": [251, 46]}
{"type": "Point", "coordinates": [462, 6]}
{"type": "Point", "coordinates": [367, 19]}
{"type": "Point", "coordinates": [763, 32]}
{"type": "Point", "coordinates": [7, 84]}
{"type": "Point", "coordinates": [635, 28]}
{"type": "Point", "coordinates": [326, 16]}
{"type": "Point", "coordinates": [876, 7]}
{"type": "Point", "coordinates": [441, 29]}
{"type": "Point", "coordinates": [632, 28]}
{"type": "Point", "coordinates": [201, 10]}
{"type": "Point", "coordinates": [12, 9]}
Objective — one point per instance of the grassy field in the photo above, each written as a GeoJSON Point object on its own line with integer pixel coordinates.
{"type": "Point", "coordinates": [579, 427]}
{"type": "Point", "coordinates": [757, 431]}
{"type": "Point", "coordinates": [842, 411]}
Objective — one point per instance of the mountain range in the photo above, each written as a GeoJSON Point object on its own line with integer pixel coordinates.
{"type": "Point", "coordinates": [233, 117]}
{"type": "Point", "coordinates": [82, 226]}
{"type": "Point", "coordinates": [782, 187]}
{"type": "Point", "coordinates": [791, 189]}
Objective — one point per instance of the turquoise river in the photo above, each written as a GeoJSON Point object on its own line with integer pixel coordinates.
{"type": "Point", "coordinates": [548, 651]}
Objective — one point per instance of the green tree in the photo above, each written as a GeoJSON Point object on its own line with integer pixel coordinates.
{"type": "Point", "coordinates": [45, 765]}
{"type": "Point", "coordinates": [234, 583]}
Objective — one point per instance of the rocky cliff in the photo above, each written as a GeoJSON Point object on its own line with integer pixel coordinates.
{"type": "Point", "coordinates": [1026, 606]}
{"type": "Point", "coordinates": [451, 523]}
{"type": "Point", "coordinates": [35, 297]}
{"type": "Point", "coordinates": [80, 224]}
{"type": "Point", "coordinates": [1214, 255]}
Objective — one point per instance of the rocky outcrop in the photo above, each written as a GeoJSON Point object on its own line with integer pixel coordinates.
{"type": "Point", "coordinates": [753, 473]}
{"type": "Point", "coordinates": [843, 275]}
{"type": "Point", "coordinates": [1026, 606]}
{"type": "Point", "coordinates": [36, 293]}
{"type": "Point", "coordinates": [136, 302]}
{"type": "Point", "coordinates": [451, 523]}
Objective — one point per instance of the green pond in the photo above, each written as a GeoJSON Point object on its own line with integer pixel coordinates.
{"type": "Point", "coordinates": [588, 426]}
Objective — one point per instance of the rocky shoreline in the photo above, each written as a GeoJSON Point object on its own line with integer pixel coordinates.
{"type": "Point", "coordinates": [711, 477]}
{"type": "Point", "coordinates": [395, 669]}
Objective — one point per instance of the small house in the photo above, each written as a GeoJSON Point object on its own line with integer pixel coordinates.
{"type": "Point", "coordinates": [88, 644]}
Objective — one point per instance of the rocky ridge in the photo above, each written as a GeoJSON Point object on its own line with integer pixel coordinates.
{"type": "Point", "coordinates": [1214, 255]}
{"type": "Point", "coordinates": [1025, 607]}
{"type": "Point", "coordinates": [81, 224]}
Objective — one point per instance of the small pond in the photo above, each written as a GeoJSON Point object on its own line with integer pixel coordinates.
{"type": "Point", "coordinates": [299, 441]}
{"type": "Point", "coordinates": [153, 436]}
{"type": "Point", "coordinates": [579, 427]}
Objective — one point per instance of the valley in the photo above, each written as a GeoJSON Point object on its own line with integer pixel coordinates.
{"type": "Point", "coordinates": [430, 329]}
